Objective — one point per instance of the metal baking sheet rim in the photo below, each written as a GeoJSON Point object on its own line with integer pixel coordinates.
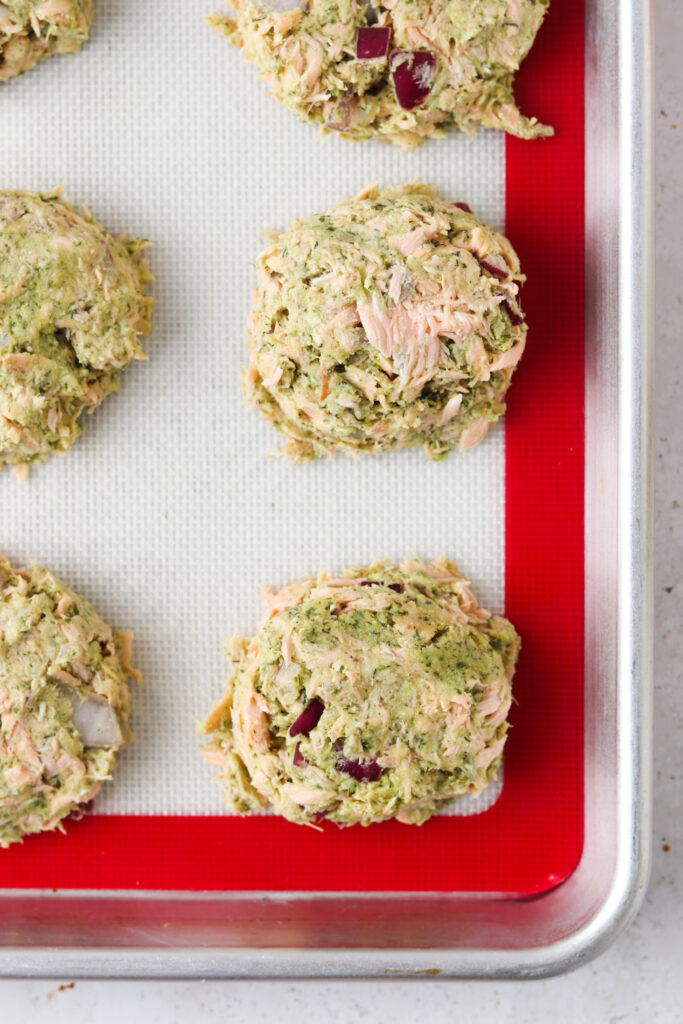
{"type": "Point", "coordinates": [572, 923]}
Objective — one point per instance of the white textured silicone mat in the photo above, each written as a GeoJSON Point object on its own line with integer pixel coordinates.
{"type": "Point", "coordinates": [167, 513]}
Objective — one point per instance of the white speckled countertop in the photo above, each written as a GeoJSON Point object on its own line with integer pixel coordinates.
{"type": "Point", "coordinates": [639, 978]}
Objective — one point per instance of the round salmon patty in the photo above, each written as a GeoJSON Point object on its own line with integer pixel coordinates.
{"type": "Point", "coordinates": [32, 30]}
{"type": "Point", "coordinates": [73, 311]}
{"type": "Point", "coordinates": [64, 701]}
{"type": "Point", "coordinates": [392, 320]}
{"type": "Point", "coordinates": [397, 70]}
{"type": "Point", "coordinates": [380, 694]}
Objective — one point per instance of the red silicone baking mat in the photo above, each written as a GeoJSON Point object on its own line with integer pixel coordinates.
{"type": "Point", "coordinates": [531, 839]}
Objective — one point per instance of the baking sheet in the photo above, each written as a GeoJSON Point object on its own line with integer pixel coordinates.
{"type": "Point", "coordinates": [169, 516]}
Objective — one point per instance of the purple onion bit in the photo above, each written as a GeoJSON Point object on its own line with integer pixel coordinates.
{"type": "Point", "coordinates": [464, 206]}
{"type": "Point", "coordinates": [413, 72]}
{"type": "Point", "coordinates": [298, 759]}
{"type": "Point", "coordinates": [514, 317]}
{"type": "Point", "coordinates": [81, 810]}
{"type": "Point", "coordinates": [343, 113]}
{"type": "Point", "coordinates": [361, 771]}
{"type": "Point", "coordinates": [372, 43]}
{"type": "Point", "coordinates": [396, 587]}
{"type": "Point", "coordinates": [308, 719]}
{"type": "Point", "coordinates": [490, 268]}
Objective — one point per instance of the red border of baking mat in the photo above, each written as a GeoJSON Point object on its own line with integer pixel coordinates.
{"type": "Point", "coordinates": [531, 839]}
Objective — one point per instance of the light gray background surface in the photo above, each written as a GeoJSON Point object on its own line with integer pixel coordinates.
{"type": "Point", "coordinates": [639, 979]}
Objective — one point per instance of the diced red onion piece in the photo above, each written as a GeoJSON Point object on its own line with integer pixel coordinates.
{"type": "Point", "coordinates": [492, 269]}
{"type": "Point", "coordinates": [80, 812]}
{"type": "Point", "coordinates": [413, 73]}
{"type": "Point", "coordinates": [298, 758]}
{"type": "Point", "coordinates": [308, 719]}
{"type": "Point", "coordinates": [397, 587]}
{"type": "Point", "coordinates": [361, 771]}
{"type": "Point", "coordinates": [345, 114]}
{"type": "Point", "coordinates": [372, 43]}
{"type": "Point", "coordinates": [464, 206]}
{"type": "Point", "coordinates": [515, 318]}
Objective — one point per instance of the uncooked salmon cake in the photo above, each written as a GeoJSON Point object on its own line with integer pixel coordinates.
{"type": "Point", "coordinates": [73, 310]}
{"type": "Point", "coordinates": [397, 70]}
{"type": "Point", "coordinates": [390, 321]}
{"type": "Point", "coordinates": [64, 701]}
{"type": "Point", "coordinates": [31, 30]}
{"type": "Point", "coordinates": [379, 694]}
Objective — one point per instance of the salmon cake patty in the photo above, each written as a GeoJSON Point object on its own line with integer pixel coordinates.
{"type": "Point", "coordinates": [397, 70]}
{"type": "Point", "coordinates": [64, 701]}
{"type": "Point", "coordinates": [73, 310]}
{"type": "Point", "coordinates": [379, 694]}
{"type": "Point", "coordinates": [31, 30]}
{"type": "Point", "coordinates": [390, 321]}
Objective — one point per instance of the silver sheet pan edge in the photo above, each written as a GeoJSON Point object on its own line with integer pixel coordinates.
{"type": "Point", "coordinates": [186, 935]}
